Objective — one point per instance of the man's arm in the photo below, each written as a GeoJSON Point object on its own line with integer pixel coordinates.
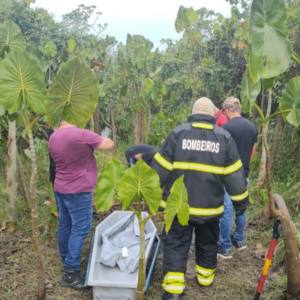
{"type": "Point", "coordinates": [253, 152]}
{"type": "Point", "coordinates": [106, 145]}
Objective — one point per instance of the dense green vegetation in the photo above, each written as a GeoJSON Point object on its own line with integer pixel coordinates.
{"type": "Point", "coordinates": [144, 93]}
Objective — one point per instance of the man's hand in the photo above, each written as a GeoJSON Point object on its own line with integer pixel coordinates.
{"type": "Point", "coordinates": [138, 156]}
{"type": "Point", "coordinates": [239, 213]}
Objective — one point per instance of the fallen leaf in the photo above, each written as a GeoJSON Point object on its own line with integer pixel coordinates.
{"type": "Point", "coordinates": [259, 252]}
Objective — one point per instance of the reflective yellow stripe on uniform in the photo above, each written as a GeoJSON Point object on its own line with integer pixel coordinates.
{"type": "Point", "coordinates": [203, 125]}
{"type": "Point", "coordinates": [232, 168]}
{"type": "Point", "coordinates": [239, 197]}
{"type": "Point", "coordinates": [163, 203]}
{"type": "Point", "coordinates": [205, 276]}
{"type": "Point", "coordinates": [198, 167]}
{"type": "Point", "coordinates": [164, 163]}
{"type": "Point", "coordinates": [206, 211]}
{"type": "Point", "coordinates": [174, 283]}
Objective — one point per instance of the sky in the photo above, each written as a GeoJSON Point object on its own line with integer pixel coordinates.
{"type": "Point", "coordinates": [153, 19]}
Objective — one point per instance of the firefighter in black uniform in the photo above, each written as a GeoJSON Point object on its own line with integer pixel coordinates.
{"type": "Point", "coordinates": [207, 156]}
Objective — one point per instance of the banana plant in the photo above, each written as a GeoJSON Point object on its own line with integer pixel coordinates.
{"type": "Point", "coordinates": [135, 71]}
{"type": "Point", "coordinates": [139, 184]}
{"type": "Point", "coordinates": [270, 56]}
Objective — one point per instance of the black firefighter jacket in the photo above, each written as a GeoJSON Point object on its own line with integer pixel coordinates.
{"type": "Point", "coordinates": [208, 158]}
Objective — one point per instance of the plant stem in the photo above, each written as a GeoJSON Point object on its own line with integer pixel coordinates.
{"type": "Point", "coordinates": [260, 112]}
{"type": "Point", "coordinates": [141, 277]}
{"type": "Point", "coordinates": [296, 58]}
{"type": "Point", "coordinates": [35, 226]}
{"type": "Point", "coordinates": [277, 113]}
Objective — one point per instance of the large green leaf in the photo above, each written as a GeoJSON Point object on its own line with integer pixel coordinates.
{"type": "Point", "coordinates": [271, 49]}
{"type": "Point", "coordinates": [182, 22]}
{"type": "Point", "coordinates": [291, 100]}
{"type": "Point", "coordinates": [177, 204]}
{"type": "Point", "coordinates": [268, 83]}
{"type": "Point", "coordinates": [73, 95]}
{"type": "Point", "coordinates": [10, 37]}
{"type": "Point", "coordinates": [71, 45]}
{"type": "Point", "coordinates": [148, 84]}
{"type": "Point", "coordinates": [108, 179]}
{"type": "Point", "coordinates": [191, 15]}
{"type": "Point", "coordinates": [249, 92]}
{"type": "Point", "coordinates": [50, 49]}
{"type": "Point", "coordinates": [140, 182]}
{"type": "Point", "coordinates": [2, 110]}
{"type": "Point", "coordinates": [22, 82]}
{"type": "Point", "coordinates": [34, 50]}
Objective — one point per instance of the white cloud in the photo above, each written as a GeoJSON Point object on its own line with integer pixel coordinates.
{"type": "Point", "coordinates": [153, 19]}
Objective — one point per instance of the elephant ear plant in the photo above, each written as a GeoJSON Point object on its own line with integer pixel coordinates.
{"type": "Point", "coordinates": [23, 91]}
{"type": "Point", "coordinates": [139, 184]}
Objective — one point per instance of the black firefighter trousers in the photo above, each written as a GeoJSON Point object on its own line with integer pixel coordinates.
{"type": "Point", "coordinates": [176, 250]}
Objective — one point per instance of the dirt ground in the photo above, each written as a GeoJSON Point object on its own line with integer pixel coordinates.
{"type": "Point", "coordinates": [236, 278]}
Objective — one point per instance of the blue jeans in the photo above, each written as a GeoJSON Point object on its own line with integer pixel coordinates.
{"type": "Point", "coordinates": [74, 224]}
{"type": "Point", "coordinates": [226, 225]}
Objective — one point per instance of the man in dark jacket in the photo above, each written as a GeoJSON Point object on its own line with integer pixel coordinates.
{"type": "Point", "coordinates": [140, 151]}
{"type": "Point", "coordinates": [245, 135]}
{"type": "Point", "coordinates": [207, 156]}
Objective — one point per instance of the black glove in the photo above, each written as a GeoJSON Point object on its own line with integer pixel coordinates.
{"type": "Point", "coordinates": [239, 213]}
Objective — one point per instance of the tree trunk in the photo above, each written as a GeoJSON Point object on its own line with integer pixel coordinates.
{"type": "Point", "coordinates": [145, 125]}
{"type": "Point", "coordinates": [41, 293]}
{"type": "Point", "coordinates": [262, 171]}
{"type": "Point", "coordinates": [12, 182]}
{"type": "Point", "coordinates": [113, 123]}
{"type": "Point", "coordinates": [194, 88]}
{"type": "Point", "coordinates": [292, 257]}
{"type": "Point", "coordinates": [138, 127]}
{"type": "Point", "coordinates": [149, 122]}
{"type": "Point", "coordinates": [275, 139]}
{"type": "Point", "coordinates": [288, 229]}
{"type": "Point", "coordinates": [96, 118]}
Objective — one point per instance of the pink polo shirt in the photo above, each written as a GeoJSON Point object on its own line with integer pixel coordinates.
{"type": "Point", "coordinates": [72, 150]}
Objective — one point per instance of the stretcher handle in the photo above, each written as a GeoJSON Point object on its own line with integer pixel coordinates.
{"type": "Point", "coordinates": [124, 297]}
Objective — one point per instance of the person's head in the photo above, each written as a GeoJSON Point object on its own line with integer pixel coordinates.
{"type": "Point", "coordinates": [203, 106]}
{"type": "Point", "coordinates": [232, 107]}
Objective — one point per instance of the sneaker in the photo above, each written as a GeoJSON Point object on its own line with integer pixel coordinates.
{"type": "Point", "coordinates": [168, 296]}
{"type": "Point", "coordinates": [238, 245]}
{"type": "Point", "coordinates": [71, 278]}
{"type": "Point", "coordinates": [225, 254]}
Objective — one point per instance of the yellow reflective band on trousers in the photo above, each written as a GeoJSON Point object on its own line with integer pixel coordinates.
{"type": "Point", "coordinates": [239, 197]}
{"type": "Point", "coordinates": [203, 125]}
{"type": "Point", "coordinates": [206, 211]}
{"type": "Point", "coordinates": [174, 283]}
{"type": "Point", "coordinates": [163, 162]}
{"type": "Point", "coordinates": [205, 276]}
{"type": "Point", "coordinates": [208, 168]}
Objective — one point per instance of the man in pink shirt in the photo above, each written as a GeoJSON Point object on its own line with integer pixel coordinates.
{"type": "Point", "coordinates": [72, 150]}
